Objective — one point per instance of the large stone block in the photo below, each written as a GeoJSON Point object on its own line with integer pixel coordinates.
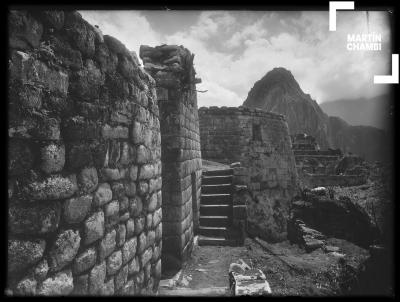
{"type": "Point", "coordinates": [129, 250]}
{"type": "Point", "coordinates": [107, 245]}
{"type": "Point", "coordinates": [94, 227]}
{"type": "Point", "coordinates": [121, 277]}
{"type": "Point", "coordinates": [108, 288]}
{"type": "Point", "coordinates": [96, 278]}
{"type": "Point", "coordinates": [64, 249]}
{"type": "Point", "coordinates": [78, 128]}
{"type": "Point", "coordinates": [88, 180]}
{"type": "Point", "coordinates": [78, 156]}
{"type": "Point", "coordinates": [61, 284]}
{"type": "Point", "coordinates": [134, 266]}
{"type": "Point", "coordinates": [139, 224]}
{"type": "Point", "coordinates": [130, 228]}
{"type": "Point", "coordinates": [75, 209]}
{"type": "Point", "coordinates": [82, 35]}
{"type": "Point", "coordinates": [102, 195]}
{"type": "Point", "coordinates": [34, 219]}
{"type": "Point", "coordinates": [20, 157]}
{"type": "Point", "coordinates": [84, 261]}
{"type": "Point", "coordinates": [135, 206]}
{"type": "Point", "coordinates": [24, 253]}
{"type": "Point", "coordinates": [114, 262]}
{"type": "Point", "coordinates": [26, 287]}
{"type": "Point", "coordinates": [52, 158]}
{"type": "Point", "coordinates": [52, 187]}
{"type": "Point", "coordinates": [25, 31]}
{"type": "Point", "coordinates": [85, 83]}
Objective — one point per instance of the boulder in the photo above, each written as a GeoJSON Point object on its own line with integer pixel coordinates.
{"type": "Point", "coordinates": [24, 253]}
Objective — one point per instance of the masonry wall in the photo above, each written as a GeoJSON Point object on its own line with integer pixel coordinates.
{"type": "Point", "coordinates": [260, 141]}
{"type": "Point", "coordinates": [172, 68]}
{"type": "Point", "coordinates": [84, 164]}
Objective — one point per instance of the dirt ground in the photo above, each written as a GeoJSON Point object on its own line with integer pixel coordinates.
{"type": "Point", "coordinates": [289, 270]}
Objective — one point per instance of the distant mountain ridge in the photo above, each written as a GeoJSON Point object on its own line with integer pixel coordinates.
{"type": "Point", "coordinates": [375, 111]}
{"type": "Point", "coordinates": [279, 92]}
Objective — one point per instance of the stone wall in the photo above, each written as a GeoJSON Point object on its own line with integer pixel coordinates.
{"type": "Point", "coordinates": [172, 68]}
{"type": "Point", "coordinates": [325, 180]}
{"type": "Point", "coordinates": [260, 141]}
{"type": "Point", "coordinates": [84, 161]}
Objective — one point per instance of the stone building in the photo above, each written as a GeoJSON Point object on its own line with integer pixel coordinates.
{"type": "Point", "coordinates": [260, 141]}
{"type": "Point", "coordinates": [172, 68]}
{"type": "Point", "coordinates": [87, 176]}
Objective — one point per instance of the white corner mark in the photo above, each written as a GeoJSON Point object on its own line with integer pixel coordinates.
{"type": "Point", "coordinates": [394, 77]}
{"type": "Point", "coordinates": [333, 7]}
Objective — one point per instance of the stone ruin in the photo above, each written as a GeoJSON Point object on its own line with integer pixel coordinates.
{"type": "Point", "coordinates": [328, 167]}
{"type": "Point", "coordinates": [105, 160]}
{"type": "Point", "coordinates": [260, 141]}
{"type": "Point", "coordinates": [95, 144]}
{"type": "Point", "coordinates": [172, 68]}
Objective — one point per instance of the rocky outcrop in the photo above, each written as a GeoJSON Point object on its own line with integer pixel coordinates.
{"type": "Point", "coordinates": [339, 218]}
{"type": "Point", "coordinates": [279, 92]}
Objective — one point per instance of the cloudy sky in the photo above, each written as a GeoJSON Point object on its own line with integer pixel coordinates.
{"type": "Point", "coordinates": [234, 49]}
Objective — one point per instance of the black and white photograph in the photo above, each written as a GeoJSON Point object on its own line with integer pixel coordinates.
{"type": "Point", "coordinates": [201, 151]}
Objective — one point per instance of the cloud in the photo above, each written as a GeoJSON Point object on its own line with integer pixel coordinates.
{"type": "Point", "coordinates": [235, 49]}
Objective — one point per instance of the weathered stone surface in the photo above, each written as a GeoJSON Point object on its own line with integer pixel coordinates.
{"type": "Point", "coordinates": [114, 262]}
{"type": "Point", "coordinates": [121, 235]}
{"type": "Point", "coordinates": [146, 257]}
{"type": "Point", "coordinates": [102, 195]}
{"type": "Point", "coordinates": [52, 18]}
{"type": "Point", "coordinates": [64, 249]}
{"type": "Point", "coordinates": [52, 158]}
{"type": "Point", "coordinates": [129, 250]}
{"type": "Point", "coordinates": [135, 206]}
{"type": "Point", "coordinates": [133, 172]}
{"type": "Point", "coordinates": [130, 228]}
{"type": "Point", "coordinates": [121, 277]}
{"type": "Point", "coordinates": [24, 253]}
{"type": "Point", "coordinates": [26, 287]}
{"type": "Point", "coordinates": [143, 188]}
{"type": "Point", "coordinates": [34, 219]}
{"type": "Point", "coordinates": [151, 203]}
{"type": "Point", "coordinates": [60, 284]}
{"type": "Point", "coordinates": [24, 30]}
{"type": "Point", "coordinates": [47, 128]}
{"type": "Point", "coordinates": [139, 224]}
{"type": "Point", "coordinates": [76, 209]}
{"type": "Point", "coordinates": [84, 261]}
{"type": "Point", "coordinates": [96, 278]}
{"type": "Point", "coordinates": [88, 180]}
{"type": "Point", "coordinates": [142, 243]}
{"type": "Point", "coordinates": [40, 271]}
{"type": "Point", "coordinates": [20, 157]}
{"type": "Point", "coordinates": [118, 132]}
{"type": "Point", "coordinates": [94, 227]}
{"type": "Point", "coordinates": [81, 285]}
{"type": "Point", "coordinates": [130, 189]}
{"type": "Point", "coordinates": [107, 245]}
{"type": "Point", "coordinates": [80, 32]}
{"type": "Point", "coordinates": [249, 283]}
{"type": "Point", "coordinates": [78, 156]}
{"type": "Point", "coordinates": [142, 155]}
{"type": "Point", "coordinates": [108, 288]}
{"type": "Point", "coordinates": [157, 217]}
{"type": "Point", "coordinates": [134, 266]}
{"type": "Point", "coordinates": [111, 211]}
{"type": "Point", "coordinates": [53, 187]}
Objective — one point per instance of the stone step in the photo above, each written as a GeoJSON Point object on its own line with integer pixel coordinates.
{"type": "Point", "coordinates": [216, 241]}
{"type": "Point", "coordinates": [216, 189]}
{"type": "Point", "coordinates": [216, 199]}
{"type": "Point", "coordinates": [214, 221]}
{"type": "Point", "coordinates": [215, 210]}
{"type": "Point", "coordinates": [218, 172]}
{"type": "Point", "coordinates": [213, 231]}
{"type": "Point", "coordinates": [214, 180]}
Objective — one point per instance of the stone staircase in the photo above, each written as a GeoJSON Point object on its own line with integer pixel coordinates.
{"type": "Point", "coordinates": [216, 208]}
